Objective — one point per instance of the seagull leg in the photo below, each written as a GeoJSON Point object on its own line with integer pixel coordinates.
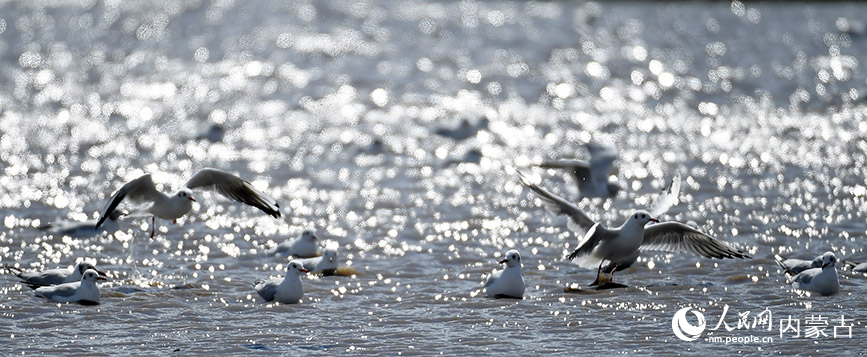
{"type": "Point", "coordinates": [153, 225]}
{"type": "Point", "coordinates": [599, 270]}
{"type": "Point", "coordinates": [613, 269]}
{"type": "Point", "coordinates": [175, 221]}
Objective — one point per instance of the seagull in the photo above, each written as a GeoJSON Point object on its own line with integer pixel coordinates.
{"type": "Point", "coordinates": [84, 229]}
{"type": "Point", "coordinates": [465, 129]}
{"type": "Point", "coordinates": [856, 267]}
{"type": "Point", "coordinates": [507, 282]}
{"type": "Point", "coordinates": [795, 266]}
{"type": "Point", "coordinates": [142, 190]}
{"type": "Point", "coordinates": [822, 280]}
{"type": "Point", "coordinates": [591, 177]}
{"type": "Point", "coordinates": [600, 243]}
{"type": "Point", "coordinates": [325, 264]}
{"type": "Point", "coordinates": [666, 199]}
{"type": "Point", "coordinates": [54, 276]}
{"type": "Point", "coordinates": [84, 291]}
{"type": "Point", "coordinates": [287, 290]}
{"type": "Point", "coordinates": [303, 246]}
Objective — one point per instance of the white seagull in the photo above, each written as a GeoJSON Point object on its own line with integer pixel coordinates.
{"type": "Point", "coordinates": [507, 282]}
{"type": "Point", "coordinates": [142, 190]}
{"type": "Point", "coordinates": [795, 266]}
{"type": "Point", "coordinates": [600, 244]}
{"type": "Point", "coordinates": [303, 246]}
{"type": "Point", "coordinates": [54, 276]}
{"type": "Point", "coordinates": [325, 264]}
{"type": "Point", "coordinates": [84, 291]}
{"type": "Point", "coordinates": [822, 280]}
{"type": "Point", "coordinates": [287, 290]}
{"type": "Point", "coordinates": [84, 229]}
{"type": "Point", "coordinates": [591, 177]}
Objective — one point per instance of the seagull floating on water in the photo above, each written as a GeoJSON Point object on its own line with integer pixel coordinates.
{"type": "Point", "coordinates": [795, 266]}
{"type": "Point", "coordinates": [822, 280]}
{"type": "Point", "coordinates": [303, 246]}
{"type": "Point", "coordinates": [464, 130]}
{"type": "Point", "coordinates": [325, 264]}
{"type": "Point", "coordinates": [54, 276]}
{"type": "Point", "coordinates": [591, 177]}
{"type": "Point", "coordinates": [84, 291]}
{"type": "Point", "coordinates": [507, 282]}
{"type": "Point", "coordinates": [287, 290]}
{"type": "Point", "coordinates": [600, 244]}
{"type": "Point", "coordinates": [142, 190]}
{"type": "Point", "coordinates": [856, 267]}
{"type": "Point", "coordinates": [84, 229]}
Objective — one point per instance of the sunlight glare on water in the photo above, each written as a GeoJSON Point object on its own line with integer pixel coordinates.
{"type": "Point", "coordinates": [397, 129]}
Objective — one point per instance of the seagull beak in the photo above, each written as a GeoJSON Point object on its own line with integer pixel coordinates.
{"type": "Point", "coordinates": [303, 270]}
{"type": "Point", "coordinates": [192, 199]}
{"type": "Point", "coordinates": [100, 277]}
{"type": "Point", "coordinates": [654, 220]}
{"type": "Point", "coordinates": [504, 261]}
{"type": "Point", "coordinates": [102, 274]}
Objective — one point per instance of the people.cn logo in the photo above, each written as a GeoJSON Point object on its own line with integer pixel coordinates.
{"type": "Point", "coordinates": [683, 329]}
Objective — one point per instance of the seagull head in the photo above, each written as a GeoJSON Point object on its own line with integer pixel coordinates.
{"type": "Point", "coordinates": [185, 194]}
{"type": "Point", "coordinates": [295, 267]}
{"type": "Point", "coordinates": [828, 260]}
{"type": "Point", "coordinates": [642, 217]}
{"type": "Point", "coordinates": [84, 267]}
{"type": "Point", "coordinates": [512, 258]}
{"type": "Point", "coordinates": [330, 255]}
{"type": "Point", "coordinates": [92, 275]}
{"type": "Point", "coordinates": [309, 234]}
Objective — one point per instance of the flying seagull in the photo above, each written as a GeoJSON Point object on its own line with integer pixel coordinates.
{"type": "Point", "coordinates": [600, 243]}
{"type": "Point", "coordinates": [591, 177]}
{"type": "Point", "coordinates": [143, 191]}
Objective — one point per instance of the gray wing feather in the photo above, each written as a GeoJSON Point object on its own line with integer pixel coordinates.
{"type": "Point", "coordinates": [803, 277]}
{"type": "Point", "coordinates": [267, 289]}
{"type": "Point", "coordinates": [580, 222]}
{"type": "Point", "coordinates": [64, 290]}
{"type": "Point", "coordinates": [680, 238]}
{"type": "Point", "coordinates": [235, 188]}
{"type": "Point", "coordinates": [141, 189]}
{"type": "Point", "coordinates": [493, 277]}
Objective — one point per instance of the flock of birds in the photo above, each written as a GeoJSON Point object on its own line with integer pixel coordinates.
{"type": "Point", "coordinates": [607, 249]}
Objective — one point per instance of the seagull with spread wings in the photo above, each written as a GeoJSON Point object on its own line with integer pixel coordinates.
{"type": "Point", "coordinates": [143, 191]}
{"type": "Point", "coordinates": [600, 243]}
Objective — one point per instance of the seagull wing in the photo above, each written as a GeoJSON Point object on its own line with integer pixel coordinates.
{"type": "Point", "coordinates": [680, 238]}
{"type": "Point", "coordinates": [267, 289]}
{"type": "Point", "coordinates": [601, 159]}
{"type": "Point", "coordinates": [235, 188]}
{"type": "Point", "coordinates": [578, 169]}
{"type": "Point", "coordinates": [63, 290]}
{"type": "Point", "coordinates": [141, 189]}
{"type": "Point", "coordinates": [667, 198]}
{"type": "Point", "coordinates": [578, 220]}
{"type": "Point", "coordinates": [493, 278]}
{"type": "Point", "coordinates": [582, 255]}
{"type": "Point", "coordinates": [805, 276]}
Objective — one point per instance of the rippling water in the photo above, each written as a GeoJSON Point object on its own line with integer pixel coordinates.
{"type": "Point", "coordinates": [331, 107]}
